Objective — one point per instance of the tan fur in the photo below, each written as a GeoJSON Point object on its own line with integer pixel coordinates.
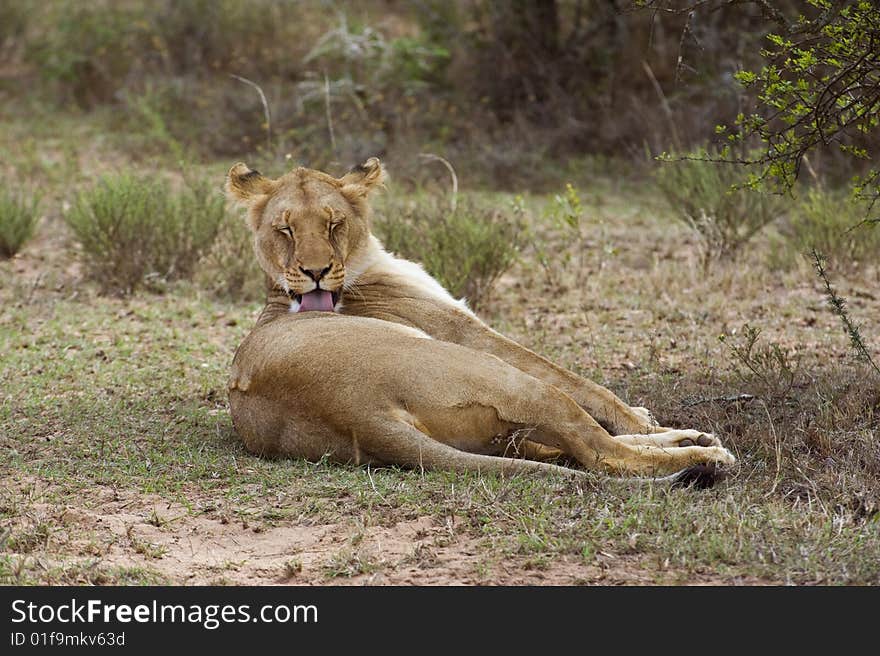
{"type": "Point", "coordinates": [403, 373]}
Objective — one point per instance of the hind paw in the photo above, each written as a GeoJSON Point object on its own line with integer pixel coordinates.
{"type": "Point", "coordinates": [692, 438]}
{"type": "Point", "coordinates": [673, 439]}
{"type": "Point", "coordinates": [716, 454]}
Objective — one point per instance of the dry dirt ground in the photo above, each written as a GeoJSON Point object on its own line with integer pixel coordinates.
{"type": "Point", "coordinates": [166, 542]}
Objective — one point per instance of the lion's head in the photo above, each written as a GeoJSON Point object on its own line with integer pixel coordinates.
{"type": "Point", "coordinates": [307, 225]}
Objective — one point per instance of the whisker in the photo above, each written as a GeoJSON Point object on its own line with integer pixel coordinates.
{"type": "Point", "coordinates": [355, 288]}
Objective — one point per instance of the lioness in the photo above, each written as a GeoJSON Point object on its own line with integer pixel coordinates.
{"type": "Point", "coordinates": [363, 357]}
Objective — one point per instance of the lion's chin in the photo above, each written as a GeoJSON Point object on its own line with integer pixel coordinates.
{"type": "Point", "coordinates": [318, 300]}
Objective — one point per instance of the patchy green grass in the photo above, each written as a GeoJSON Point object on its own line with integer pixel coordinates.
{"type": "Point", "coordinates": [348, 563]}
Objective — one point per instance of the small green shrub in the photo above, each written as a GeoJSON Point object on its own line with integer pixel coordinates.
{"type": "Point", "coordinates": [18, 218]}
{"type": "Point", "coordinates": [229, 269]}
{"type": "Point", "coordinates": [367, 56]}
{"type": "Point", "coordinates": [581, 230]}
{"type": "Point", "coordinates": [826, 221]}
{"type": "Point", "coordinates": [770, 369]}
{"type": "Point", "coordinates": [136, 231]}
{"type": "Point", "coordinates": [466, 249]}
{"type": "Point", "coordinates": [701, 195]}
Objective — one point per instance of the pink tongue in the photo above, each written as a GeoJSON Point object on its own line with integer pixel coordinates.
{"type": "Point", "coordinates": [317, 301]}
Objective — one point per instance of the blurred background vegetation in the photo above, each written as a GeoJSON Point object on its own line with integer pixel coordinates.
{"type": "Point", "coordinates": [510, 90]}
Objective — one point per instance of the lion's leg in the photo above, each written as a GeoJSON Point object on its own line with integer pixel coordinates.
{"type": "Point", "coordinates": [499, 399]}
{"type": "Point", "coordinates": [563, 425]}
{"type": "Point", "coordinates": [618, 417]}
{"type": "Point", "coordinates": [648, 417]}
{"type": "Point", "coordinates": [399, 443]}
{"type": "Point", "coordinates": [601, 403]}
{"type": "Point", "coordinates": [671, 439]}
{"type": "Point", "coordinates": [534, 451]}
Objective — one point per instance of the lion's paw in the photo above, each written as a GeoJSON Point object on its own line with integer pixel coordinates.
{"type": "Point", "coordinates": [687, 437]}
{"type": "Point", "coordinates": [644, 414]}
{"type": "Point", "coordinates": [718, 454]}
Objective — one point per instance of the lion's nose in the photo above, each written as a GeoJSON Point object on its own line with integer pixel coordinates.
{"type": "Point", "coordinates": [316, 274]}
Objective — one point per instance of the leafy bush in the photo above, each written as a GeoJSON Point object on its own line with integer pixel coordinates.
{"type": "Point", "coordinates": [229, 269]}
{"type": "Point", "coordinates": [18, 217]}
{"type": "Point", "coordinates": [137, 231]}
{"type": "Point", "coordinates": [195, 47]}
{"type": "Point", "coordinates": [466, 248]}
{"type": "Point", "coordinates": [826, 221]}
{"type": "Point", "coordinates": [87, 50]}
{"type": "Point", "coordinates": [90, 50]}
{"type": "Point", "coordinates": [702, 195]}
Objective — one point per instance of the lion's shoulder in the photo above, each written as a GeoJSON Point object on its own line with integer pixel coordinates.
{"type": "Point", "coordinates": [385, 269]}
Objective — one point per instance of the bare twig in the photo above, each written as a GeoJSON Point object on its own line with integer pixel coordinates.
{"type": "Point", "coordinates": [777, 446]}
{"type": "Point", "coordinates": [328, 113]}
{"type": "Point", "coordinates": [732, 398]}
{"type": "Point", "coordinates": [431, 157]}
{"type": "Point", "coordinates": [811, 170]}
{"type": "Point", "coordinates": [33, 288]}
{"type": "Point", "coordinates": [869, 221]}
{"type": "Point", "coordinates": [263, 100]}
{"type": "Point", "coordinates": [769, 11]}
{"type": "Point", "coordinates": [684, 32]}
{"type": "Point", "coordinates": [373, 485]}
{"type": "Point", "coordinates": [663, 103]}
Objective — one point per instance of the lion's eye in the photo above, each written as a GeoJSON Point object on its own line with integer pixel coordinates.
{"type": "Point", "coordinates": [334, 225]}
{"type": "Point", "coordinates": [286, 230]}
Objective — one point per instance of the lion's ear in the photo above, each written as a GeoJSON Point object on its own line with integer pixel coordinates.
{"type": "Point", "coordinates": [364, 178]}
{"type": "Point", "coordinates": [244, 185]}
